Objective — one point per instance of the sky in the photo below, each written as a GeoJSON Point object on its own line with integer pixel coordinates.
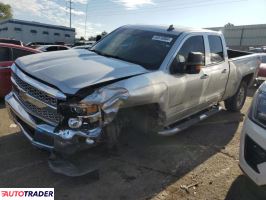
{"type": "Point", "coordinates": [106, 15]}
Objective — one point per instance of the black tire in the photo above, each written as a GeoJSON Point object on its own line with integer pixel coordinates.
{"type": "Point", "coordinates": [112, 134]}
{"type": "Point", "coordinates": [236, 102]}
{"type": "Point", "coordinates": [146, 122]}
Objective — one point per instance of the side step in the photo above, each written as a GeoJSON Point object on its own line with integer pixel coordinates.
{"type": "Point", "coordinates": [184, 124]}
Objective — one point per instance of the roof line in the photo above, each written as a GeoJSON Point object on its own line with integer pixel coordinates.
{"type": "Point", "coordinates": [37, 24]}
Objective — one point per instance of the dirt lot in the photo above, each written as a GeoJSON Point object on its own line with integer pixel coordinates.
{"type": "Point", "coordinates": [205, 155]}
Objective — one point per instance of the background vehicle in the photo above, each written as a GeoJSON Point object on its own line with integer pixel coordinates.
{"type": "Point", "coordinates": [46, 48]}
{"type": "Point", "coordinates": [253, 139]}
{"type": "Point", "coordinates": [156, 79]}
{"type": "Point", "coordinates": [35, 45]}
{"type": "Point", "coordinates": [9, 53]}
{"type": "Point", "coordinates": [262, 70]}
{"type": "Point", "coordinates": [83, 47]}
{"type": "Point", "coordinates": [11, 41]}
{"type": "Point", "coordinates": [83, 43]}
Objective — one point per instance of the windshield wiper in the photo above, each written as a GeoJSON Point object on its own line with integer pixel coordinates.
{"type": "Point", "coordinates": [97, 52]}
{"type": "Point", "coordinates": [112, 56]}
{"type": "Point", "coordinates": [106, 55]}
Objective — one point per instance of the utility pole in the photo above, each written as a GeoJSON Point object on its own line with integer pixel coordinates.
{"type": "Point", "coordinates": [70, 12]}
{"type": "Point", "coordinates": [86, 19]}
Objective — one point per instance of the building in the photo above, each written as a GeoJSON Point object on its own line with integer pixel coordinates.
{"type": "Point", "coordinates": [243, 37]}
{"type": "Point", "coordinates": [28, 31]}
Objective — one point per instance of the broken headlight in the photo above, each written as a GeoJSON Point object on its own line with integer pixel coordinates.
{"type": "Point", "coordinates": [81, 115]}
{"type": "Point", "coordinates": [258, 109]}
{"type": "Point", "coordinates": [83, 109]}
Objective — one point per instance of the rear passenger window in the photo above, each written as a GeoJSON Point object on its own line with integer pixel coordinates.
{"type": "Point", "coordinates": [52, 48]}
{"type": "Point", "coordinates": [5, 54]}
{"type": "Point", "coordinates": [62, 48]}
{"type": "Point", "coordinates": [216, 49]}
{"type": "Point", "coordinates": [192, 44]}
{"type": "Point", "coordinates": [19, 53]}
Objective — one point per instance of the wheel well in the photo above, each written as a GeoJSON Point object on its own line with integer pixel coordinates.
{"type": "Point", "coordinates": [248, 79]}
{"type": "Point", "coordinates": [141, 113]}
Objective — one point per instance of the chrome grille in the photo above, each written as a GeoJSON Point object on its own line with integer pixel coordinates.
{"type": "Point", "coordinates": [46, 113]}
{"type": "Point", "coordinates": [38, 94]}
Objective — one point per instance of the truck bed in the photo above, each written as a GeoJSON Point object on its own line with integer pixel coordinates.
{"type": "Point", "coordinates": [235, 54]}
{"type": "Point", "coordinates": [242, 65]}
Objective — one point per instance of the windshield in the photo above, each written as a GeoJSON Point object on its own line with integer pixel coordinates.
{"type": "Point", "coordinates": [145, 48]}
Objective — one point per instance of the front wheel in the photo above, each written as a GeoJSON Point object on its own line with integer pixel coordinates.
{"type": "Point", "coordinates": [236, 102]}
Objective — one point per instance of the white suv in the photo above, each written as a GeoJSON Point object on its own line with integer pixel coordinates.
{"type": "Point", "coordinates": [253, 139]}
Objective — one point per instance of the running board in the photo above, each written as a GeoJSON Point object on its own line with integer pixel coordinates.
{"type": "Point", "coordinates": [177, 127]}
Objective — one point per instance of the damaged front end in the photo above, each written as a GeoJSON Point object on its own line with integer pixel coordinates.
{"type": "Point", "coordinates": [52, 121]}
{"type": "Point", "coordinates": [58, 123]}
{"type": "Point", "coordinates": [84, 122]}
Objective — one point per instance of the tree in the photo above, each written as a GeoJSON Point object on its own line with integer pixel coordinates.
{"type": "Point", "coordinates": [82, 38]}
{"type": "Point", "coordinates": [229, 25]}
{"type": "Point", "coordinates": [5, 11]}
{"type": "Point", "coordinates": [104, 33]}
{"type": "Point", "coordinates": [91, 38]}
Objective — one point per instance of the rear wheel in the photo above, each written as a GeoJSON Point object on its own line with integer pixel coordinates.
{"type": "Point", "coordinates": [236, 102]}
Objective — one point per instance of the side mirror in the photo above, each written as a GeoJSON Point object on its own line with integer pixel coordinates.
{"type": "Point", "coordinates": [178, 65]}
{"type": "Point", "coordinates": [194, 63]}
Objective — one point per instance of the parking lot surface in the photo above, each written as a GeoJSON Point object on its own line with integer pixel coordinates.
{"type": "Point", "coordinates": [198, 163]}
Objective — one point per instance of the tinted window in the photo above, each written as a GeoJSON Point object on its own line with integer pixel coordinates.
{"type": "Point", "coordinates": [146, 48]}
{"type": "Point", "coordinates": [4, 54]}
{"type": "Point", "coordinates": [19, 53]}
{"type": "Point", "coordinates": [53, 48]}
{"type": "Point", "coordinates": [192, 44]}
{"type": "Point", "coordinates": [216, 48]}
{"type": "Point", "coordinates": [62, 48]}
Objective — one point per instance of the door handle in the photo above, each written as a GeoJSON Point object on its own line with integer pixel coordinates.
{"type": "Point", "coordinates": [204, 76]}
{"type": "Point", "coordinates": [224, 71]}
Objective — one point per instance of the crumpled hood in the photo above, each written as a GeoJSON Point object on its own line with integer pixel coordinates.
{"type": "Point", "coordinates": [72, 70]}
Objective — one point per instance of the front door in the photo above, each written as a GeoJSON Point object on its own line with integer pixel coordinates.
{"type": "Point", "coordinates": [186, 90]}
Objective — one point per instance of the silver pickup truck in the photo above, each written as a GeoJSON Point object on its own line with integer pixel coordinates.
{"type": "Point", "coordinates": [159, 80]}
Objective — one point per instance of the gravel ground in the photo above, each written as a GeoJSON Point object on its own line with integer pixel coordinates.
{"type": "Point", "coordinates": [204, 157]}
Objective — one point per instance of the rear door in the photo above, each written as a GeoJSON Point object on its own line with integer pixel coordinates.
{"type": "Point", "coordinates": [216, 69]}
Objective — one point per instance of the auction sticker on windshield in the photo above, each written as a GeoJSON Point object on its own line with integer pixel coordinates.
{"type": "Point", "coordinates": [162, 38]}
{"type": "Point", "coordinates": [27, 193]}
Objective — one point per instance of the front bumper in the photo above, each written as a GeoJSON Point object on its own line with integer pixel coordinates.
{"type": "Point", "coordinates": [45, 136]}
{"type": "Point", "coordinates": [253, 152]}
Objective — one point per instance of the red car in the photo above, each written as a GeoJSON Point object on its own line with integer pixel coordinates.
{"type": "Point", "coordinates": [8, 54]}
{"type": "Point", "coordinates": [262, 70]}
